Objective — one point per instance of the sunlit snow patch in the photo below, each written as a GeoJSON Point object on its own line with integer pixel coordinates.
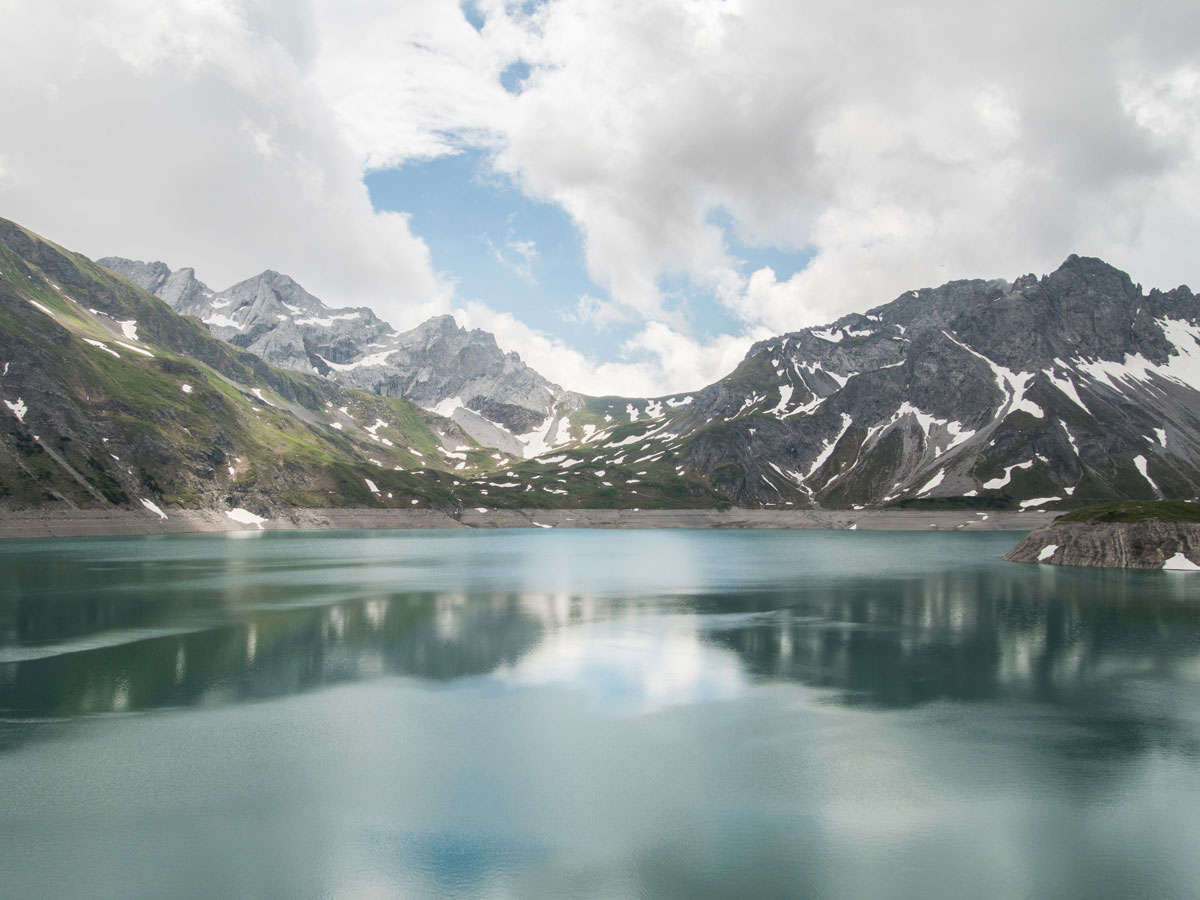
{"type": "Point", "coordinates": [933, 482]}
{"type": "Point", "coordinates": [785, 394]}
{"type": "Point", "coordinates": [1038, 501]}
{"type": "Point", "coordinates": [1183, 366]}
{"type": "Point", "coordinates": [1006, 477]}
{"type": "Point", "coordinates": [18, 409]}
{"type": "Point", "coordinates": [245, 517]}
{"type": "Point", "coordinates": [1140, 462]}
{"type": "Point", "coordinates": [221, 321]}
{"type": "Point", "coordinates": [153, 507]}
{"type": "Point", "coordinates": [1066, 385]}
{"type": "Point", "coordinates": [1180, 563]}
{"type": "Point", "coordinates": [104, 347]}
{"type": "Point", "coordinates": [1047, 552]}
{"type": "Point", "coordinates": [447, 407]}
{"type": "Point", "coordinates": [327, 322]}
{"type": "Point", "coordinates": [134, 349]}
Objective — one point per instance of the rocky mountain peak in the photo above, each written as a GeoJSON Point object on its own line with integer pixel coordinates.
{"type": "Point", "coordinates": [437, 328]}
{"type": "Point", "coordinates": [1024, 283]}
{"type": "Point", "coordinates": [438, 365]}
{"type": "Point", "coordinates": [149, 276]}
{"type": "Point", "coordinates": [1084, 273]}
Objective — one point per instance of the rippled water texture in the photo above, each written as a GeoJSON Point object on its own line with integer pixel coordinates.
{"type": "Point", "coordinates": [593, 714]}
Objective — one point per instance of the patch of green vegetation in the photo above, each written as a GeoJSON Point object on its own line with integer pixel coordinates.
{"type": "Point", "coordinates": [595, 409]}
{"type": "Point", "coordinates": [1130, 511]}
{"type": "Point", "coordinates": [1033, 482]}
{"type": "Point", "coordinates": [753, 374]}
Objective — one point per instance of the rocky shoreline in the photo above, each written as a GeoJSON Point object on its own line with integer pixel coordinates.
{"type": "Point", "coordinates": [1124, 545]}
{"type": "Point", "coordinates": [114, 522]}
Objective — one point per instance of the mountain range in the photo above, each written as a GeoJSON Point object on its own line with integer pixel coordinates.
{"type": "Point", "coordinates": [439, 366]}
{"type": "Point", "coordinates": [132, 384]}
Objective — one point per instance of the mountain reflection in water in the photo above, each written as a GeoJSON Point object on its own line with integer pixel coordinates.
{"type": "Point", "coordinates": [593, 714]}
{"type": "Point", "coordinates": [112, 635]}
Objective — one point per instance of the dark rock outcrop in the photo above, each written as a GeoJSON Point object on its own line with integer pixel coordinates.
{"type": "Point", "coordinates": [1121, 545]}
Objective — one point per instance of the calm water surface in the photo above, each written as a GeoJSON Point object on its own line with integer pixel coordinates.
{"type": "Point", "coordinates": [566, 714]}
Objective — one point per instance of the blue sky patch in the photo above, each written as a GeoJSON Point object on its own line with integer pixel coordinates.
{"type": "Point", "coordinates": [513, 75]}
{"type": "Point", "coordinates": [472, 14]}
{"type": "Point", "coordinates": [785, 263]}
{"type": "Point", "coordinates": [502, 248]}
{"type": "Point", "coordinates": [527, 258]}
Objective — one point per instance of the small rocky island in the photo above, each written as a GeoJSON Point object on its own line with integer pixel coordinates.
{"type": "Point", "coordinates": [1163, 534]}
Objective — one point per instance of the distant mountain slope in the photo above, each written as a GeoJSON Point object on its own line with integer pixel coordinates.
{"type": "Point", "coordinates": [438, 365]}
{"type": "Point", "coordinates": [1074, 388]}
{"type": "Point", "coordinates": [1053, 392]}
{"type": "Point", "coordinates": [110, 397]}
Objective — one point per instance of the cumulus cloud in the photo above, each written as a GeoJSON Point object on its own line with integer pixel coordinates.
{"type": "Point", "coordinates": [183, 132]}
{"type": "Point", "coordinates": [902, 144]}
{"type": "Point", "coordinates": [518, 257]}
{"type": "Point", "coordinates": [656, 361]}
{"type": "Point", "coordinates": [908, 143]}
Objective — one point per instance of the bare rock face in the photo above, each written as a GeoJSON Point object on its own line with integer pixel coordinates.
{"type": "Point", "coordinates": [438, 365]}
{"type": "Point", "coordinates": [1044, 393]}
{"type": "Point", "coordinates": [1138, 545]}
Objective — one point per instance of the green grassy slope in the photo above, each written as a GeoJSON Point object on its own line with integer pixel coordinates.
{"type": "Point", "coordinates": [124, 400]}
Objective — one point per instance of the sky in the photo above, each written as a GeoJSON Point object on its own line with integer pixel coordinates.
{"type": "Point", "coordinates": [628, 194]}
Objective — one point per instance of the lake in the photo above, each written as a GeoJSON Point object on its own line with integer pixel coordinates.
{"type": "Point", "coordinates": [577, 714]}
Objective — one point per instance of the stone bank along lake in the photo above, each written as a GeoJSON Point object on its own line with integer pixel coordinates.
{"type": "Point", "coordinates": [562, 714]}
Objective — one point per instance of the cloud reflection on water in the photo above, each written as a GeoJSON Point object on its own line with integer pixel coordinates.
{"type": "Point", "coordinates": [632, 667]}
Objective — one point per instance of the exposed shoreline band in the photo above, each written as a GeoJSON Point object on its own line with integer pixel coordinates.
{"type": "Point", "coordinates": [115, 522]}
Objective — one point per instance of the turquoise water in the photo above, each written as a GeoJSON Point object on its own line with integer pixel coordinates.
{"type": "Point", "coordinates": [680, 714]}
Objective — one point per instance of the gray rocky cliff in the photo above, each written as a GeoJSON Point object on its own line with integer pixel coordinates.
{"type": "Point", "coordinates": [1138, 545]}
{"type": "Point", "coordinates": [1050, 392]}
{"type": "Point", "coordinates": [460, 374]}
{"type": "Point", "coordinates": [1040, 393]}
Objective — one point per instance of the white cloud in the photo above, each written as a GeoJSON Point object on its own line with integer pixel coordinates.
{"type": "Point", "coordinates": [600, 314]}
{"type": "Point", "coordinates": [177, 131]}
{"type": "Point", "coordinates": [655, 362]}
{"type": "Point", "coordinates": [909, 143]}
{"type": "Point", "coordinates": [408, 80]}
{"type": "Point", "coordinates": [906, 143]}
{"type": "Point", "coordinates": [518, 257]}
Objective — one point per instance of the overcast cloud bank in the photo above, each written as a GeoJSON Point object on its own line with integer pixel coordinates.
{"type": "Point", "coordinates": [906, 144]}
